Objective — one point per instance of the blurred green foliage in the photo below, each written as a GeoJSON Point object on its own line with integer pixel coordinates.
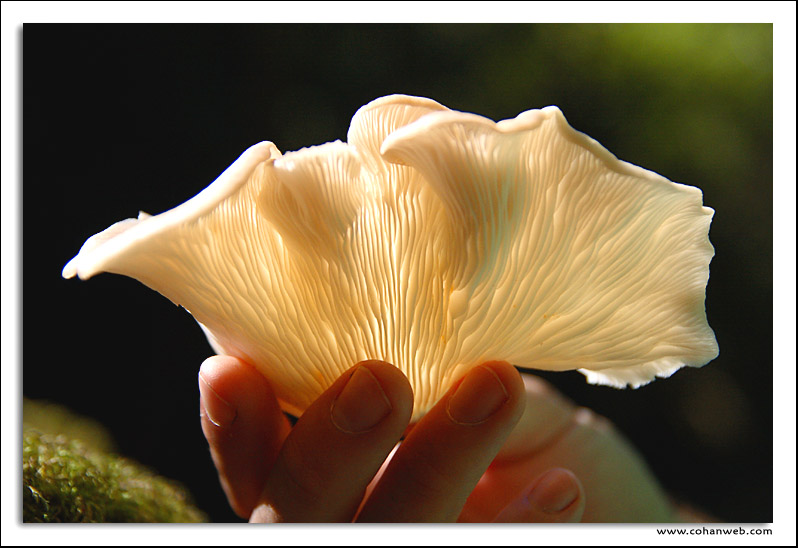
{"type": "Point", "coordinates": [693, 102]}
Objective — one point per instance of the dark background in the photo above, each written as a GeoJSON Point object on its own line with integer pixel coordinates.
{"type": "Point", "coordinates": [118, 118]}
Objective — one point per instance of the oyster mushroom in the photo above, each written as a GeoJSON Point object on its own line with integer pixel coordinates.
{"type": "Point", "coordinates": [434, 240]}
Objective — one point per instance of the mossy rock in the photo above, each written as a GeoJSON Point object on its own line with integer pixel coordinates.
{"type": "Point", "coordinates": [66, 480]}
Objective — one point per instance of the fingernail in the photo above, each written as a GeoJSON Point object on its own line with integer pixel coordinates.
{"type": "Point", "coordinates": [218, 411]}
{"type": "Point", "coordinates": [478, 397]}
{"type": "Point", "coordinates": [361, 404]}
{"type": "Point", "coordinates": [554, 492]}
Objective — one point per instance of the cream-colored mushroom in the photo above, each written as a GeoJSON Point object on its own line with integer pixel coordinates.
{"type": "Point", "coordinates": [434, 240]}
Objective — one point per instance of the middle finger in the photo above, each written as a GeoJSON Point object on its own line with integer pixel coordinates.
{"type": "Point", "coordinates": [433, 471]}
{"type": "Point", "coordinates": [337, 446]}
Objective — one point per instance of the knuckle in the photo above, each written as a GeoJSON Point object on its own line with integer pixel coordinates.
{"type": "Point", "coordinates": [588, 418]}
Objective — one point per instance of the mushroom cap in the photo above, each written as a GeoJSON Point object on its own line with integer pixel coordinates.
{"type": "Point", "coordinates": [434, 240]}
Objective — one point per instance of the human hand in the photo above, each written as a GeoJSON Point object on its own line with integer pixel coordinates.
{"type": "Point", "coordinates": [618, 486]}
{"type": "Point", "coordinates": [323, 469]}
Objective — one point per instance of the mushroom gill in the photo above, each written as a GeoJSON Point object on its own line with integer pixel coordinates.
{"type": "Point", "coordinates": [434, 240]}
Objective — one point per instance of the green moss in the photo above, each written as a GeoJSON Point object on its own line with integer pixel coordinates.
{"type": "Point", "coordinates": [65, 481]}
{"type": "Point", "coordinates": [55, 419]}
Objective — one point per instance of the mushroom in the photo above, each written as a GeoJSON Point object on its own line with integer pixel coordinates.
{"type": "Point", "coordinates": [434, 240]}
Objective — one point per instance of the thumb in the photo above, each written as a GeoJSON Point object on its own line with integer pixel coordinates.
{"type": "Point", "coordinates": [556, 496]}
